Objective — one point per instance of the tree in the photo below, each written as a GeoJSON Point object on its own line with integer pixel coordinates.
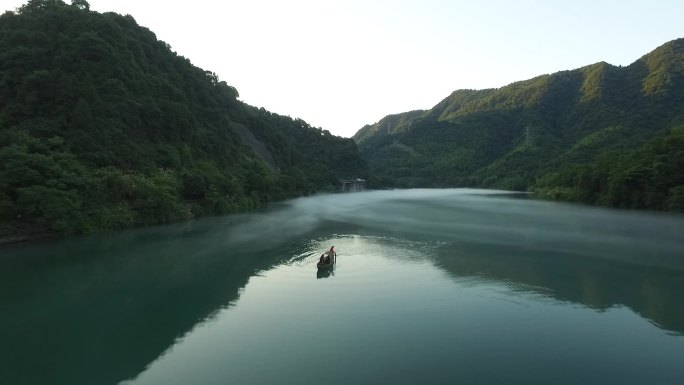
{"type": "Point", "coordinates": [80, 4]}
{"type": "Point", "coordinates": [37, 5]}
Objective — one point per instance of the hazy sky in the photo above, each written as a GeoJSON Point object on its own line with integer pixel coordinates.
{"type": "Point", "coordinates": [342, 64]}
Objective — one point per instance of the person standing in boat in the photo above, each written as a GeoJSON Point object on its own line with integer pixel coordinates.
{"type": "Point", "coordinates": [332, 250]}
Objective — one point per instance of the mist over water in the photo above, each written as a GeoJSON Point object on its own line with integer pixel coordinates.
{"type": "Point", "coordinates": [482, 216]}
{"type": "Point", "coordinates": [431, 286]}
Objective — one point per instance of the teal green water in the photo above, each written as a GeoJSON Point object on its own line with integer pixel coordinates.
{"type": "Point", "coordinates": [431, 286]}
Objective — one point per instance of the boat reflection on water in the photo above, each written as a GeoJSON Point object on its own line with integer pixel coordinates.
{"type": "Point", "coordinates": [325, 273]}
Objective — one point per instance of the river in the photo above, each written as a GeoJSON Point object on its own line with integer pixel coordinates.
{"type": "Point", "coordinates": [430, 286]}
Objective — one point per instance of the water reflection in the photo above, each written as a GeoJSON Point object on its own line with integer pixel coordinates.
{"type": "Point", "coordinates": [101, 309]}
{"type": "Point", "coordinates": [325, 273]}
{"type": "Point", "coordinates": [653, 292]}
{"type": "Point", "coordinates": [417, 305]}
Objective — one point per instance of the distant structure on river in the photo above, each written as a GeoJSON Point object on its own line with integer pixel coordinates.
{"type": "Point", "coordinates": [352, 185]}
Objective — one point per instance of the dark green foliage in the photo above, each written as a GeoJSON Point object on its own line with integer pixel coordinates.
{"type": "Point", "coordinates": [599, 134]}
{"type": "Point", "coordinates": [103, 126]}
{"type": "Point", "coordinates": [649, 177]}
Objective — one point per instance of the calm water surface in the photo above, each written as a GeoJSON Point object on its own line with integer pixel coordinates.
{"type": "Point", "coordinates": [431, 286]}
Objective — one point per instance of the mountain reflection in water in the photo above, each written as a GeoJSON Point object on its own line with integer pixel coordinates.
{"type": "Point", "coordinates": [112, 307]}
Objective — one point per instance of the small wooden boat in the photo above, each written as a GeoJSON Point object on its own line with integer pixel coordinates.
{"type": "Point", "coordinates": [330, 263]}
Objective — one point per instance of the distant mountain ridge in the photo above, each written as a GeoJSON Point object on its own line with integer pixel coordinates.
{"type": "Point", "coordinates": [579, 135]}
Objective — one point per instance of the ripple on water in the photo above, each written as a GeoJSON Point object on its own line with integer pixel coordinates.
{"type": "Point", "coordinates": [369, 271]}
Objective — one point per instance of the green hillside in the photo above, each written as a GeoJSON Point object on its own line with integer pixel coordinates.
{"type": "Point", "coordinates": [598, 134]}
{"type": "Point", "coordinates": [103, 126]}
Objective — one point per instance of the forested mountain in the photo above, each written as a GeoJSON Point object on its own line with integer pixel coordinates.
{"type": "Point", "coordinates": [104, 126]}
{"type": "Point", "coordinates": [598, 134]}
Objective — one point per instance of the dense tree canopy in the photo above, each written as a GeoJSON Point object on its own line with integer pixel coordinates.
{"type": "Point", "coordinates": [103, 126]}
{"type": "Point", "coordinates": [599, 134]}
